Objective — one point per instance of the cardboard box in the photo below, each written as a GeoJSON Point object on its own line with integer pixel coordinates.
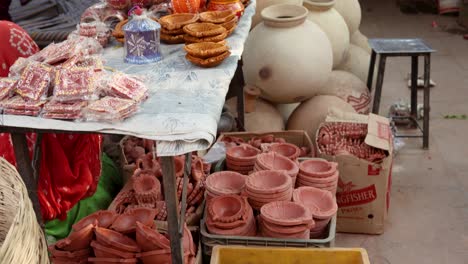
{"type": "Point", "coordinates": [364, 187]}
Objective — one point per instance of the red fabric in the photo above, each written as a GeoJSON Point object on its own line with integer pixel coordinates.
{"type": "Point", "coordinates": [71, 164]}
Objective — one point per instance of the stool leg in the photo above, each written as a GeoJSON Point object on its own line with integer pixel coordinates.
{"type": "Point", "coordinates": [370, 76]}
{"type": "Point", "coordinates": [414, 86]}
{"type": "Point", "coordinates": [378, 88]}
{"type": "Point", "coordinates": [427, 107]}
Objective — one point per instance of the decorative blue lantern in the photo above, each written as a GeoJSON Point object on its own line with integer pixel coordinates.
{"type": "Point", "coordinates": [142, 43]}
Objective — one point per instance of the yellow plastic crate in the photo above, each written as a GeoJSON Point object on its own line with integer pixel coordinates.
{"type": "Point", "coordinates": [265, 255]}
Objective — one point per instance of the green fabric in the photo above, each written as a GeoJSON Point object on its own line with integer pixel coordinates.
{"type": "Point", "coordinates": [109, 185]}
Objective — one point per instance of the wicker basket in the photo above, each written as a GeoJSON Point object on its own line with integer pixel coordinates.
{"type": "Point", "coordinates": [21, 238]}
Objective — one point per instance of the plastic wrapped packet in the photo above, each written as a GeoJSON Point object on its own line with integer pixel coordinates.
{"type": "Point", "coordinates": [160, 9]}
{"type": "Point", "coordinates": [126, 86]}
{"type": "Point", "coordinates": [94, 13]}
{"type": "Point", "coordinates": [142, 3]}
{"type": "Point", "coordinates": [88, 29]}
{"type": "Point", "coordinates": [7, 86]}
{"type": "Point", "coordinates": [119, 4]}
{"type": "Point", "coordinates": [34, 82]}
{"type": "Point", "coordinates": [67, 111]}
{"type": "Point", "coordinates": [18, 67]}
{"type": "Point", "coordinates": [74, 84]}
{"type": "Point", "coordinates": [110, 109]}
{"type": "Point", "coordinates": [18, 106]}
{"type": "Point", "coordinates": [142, 39]}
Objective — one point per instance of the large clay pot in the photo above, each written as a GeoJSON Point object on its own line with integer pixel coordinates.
{"type": "Point", "coordinates": [349, 88]}
{"type": "Point", "coordinates": [311, 113]}
{"type": "Point", "coordinates": [351, 12]}
{"type": "Point", "coordinates": [266, 117]}
{"type": "Point", "coordinates": [286, 110]}
{"type": "Point", "coordinates": [358, 39]}
{"type": "Point", "coordinates": [288, 57]}
{"type": "Point", "coordinates": [332, 23]}
{"type": "Point", "coordinates": [356, 62]}
{"type": "Point", "coordinates": [262, 4]}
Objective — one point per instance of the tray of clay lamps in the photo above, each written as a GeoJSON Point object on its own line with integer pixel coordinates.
{"type": "Point", "coordinates": [207, 54]}
{"type": "Point", "coordinates": [172, 31]}
{"type": "Point", "coordinates": [227, 19]}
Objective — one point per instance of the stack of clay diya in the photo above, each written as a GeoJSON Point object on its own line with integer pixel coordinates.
{"type": "Point", "coordinates": [241, 158]}
{"type": "Point", "coordinates": [172, 27]}
{"type": "Point", "coordinates": [288, 150]}
{"type": "Point", "coordinates": [285, 219]}
{"type": "Point", "coordinates": [75, 248]}
{"type": "Point", "coordinates": [268, 186]}
{"type": "Point", "coordinates": [224, 183]}
{"type": "Point", "coordinates": [226, 19]}
{"type": "Point", "coordinates": [321, 204]}
{"type": "Point", "coordinates": [230, 215]}
{"type": "Point", "coordinates": [318, 173]}
{"type": "Point", "coordinates": [275, 161]}
{"type": "Point", "coordinates": [206, 54]}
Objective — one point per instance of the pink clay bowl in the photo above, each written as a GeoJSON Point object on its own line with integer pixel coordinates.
{"type": "Point", "coordinates": [286, 213]}
{"type": "Point", "coordinates": [225, 182]}
{"type": "Point", "coordinates": [318, 168]}
{"type": "Point", "coordinates": [126, 223]}
{"type": "Point", "coordinates": [115, 240]}
{"type": "Point", "coordinates": [274, 161]}
{"type": "Point", "coordinates": [227, 208]}
{"type": "Point", "coordinates": [104, 219]}
{"type": "Point", "coordinates": [286, 194]}
{"type": "Point", "coordinates": [77, 240]}
{"type": "Point", "coordinates": [320, 203]}
{"type": "Point", "coordinates": [102, 251]}
{"type": "Point", "coordinates": [305, 182]}
{"type": "Point", "coordinates": [267, 233]}
{"type": "Point", "coordinates": [149, 239]}
{"type": "Point", "coordinates": [288, 150]}
{"type": "Point", "coordinates": [233, 163]}
{"type": "Point", "coordinates": [268, 182]}
{"type": "Point", "coordinates": [111, 260]}
{"type": "Point", "coordinates": [284, 229]}
{"type": "Point", "coordinates": [243, 230]}
{"type": "Point", "coordinates": [243, 153]}
{"type": "Point", "coordinates": [327, 180]}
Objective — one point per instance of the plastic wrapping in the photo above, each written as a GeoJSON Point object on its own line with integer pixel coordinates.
{"type": "Point", "coordinates": [160, 9]}
{"type": "Point", "coordinates": [126, 86]}
{"type": "Point", "coordinates": [74, 84]}
{"type": "Point", "coordinates": [142, 39]}
{"type": "Point", "coordinates": [7, 86]}
{"type": "Point", "coordinates": [18, 67]}
{"type": "Point", "coordinates": [96, 29]}
{"type": "Point", "coordinates": [18, 106]}
{"type": "Point", "coordinates": [110, 109]}
{"type": "Point", "coordinates": [94, 13]}
{"type": "Point", "coordinates": [66, 111]}
{"type": "Point", "coordinates": [142, 3]}
{"type": "Point", "coordinates": [34, 81]}
{"type": "Point", "coordinates": [119, 4]}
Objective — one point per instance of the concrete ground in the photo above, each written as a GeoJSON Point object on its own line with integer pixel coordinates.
{"type": "Point", "coordinates": [428, 217]}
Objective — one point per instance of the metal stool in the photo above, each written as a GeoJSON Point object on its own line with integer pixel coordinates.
{"type": "Point", "coordinates": [400, 48]}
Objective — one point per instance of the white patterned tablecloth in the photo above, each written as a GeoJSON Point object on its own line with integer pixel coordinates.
{"type": "Point", "coordinates": [185, 101]}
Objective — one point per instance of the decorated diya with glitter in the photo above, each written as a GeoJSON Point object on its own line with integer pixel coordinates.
{"type": "Point", "coordinates": [142, 39]}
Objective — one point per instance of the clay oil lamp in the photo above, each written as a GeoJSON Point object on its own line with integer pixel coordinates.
{"type": "Point", "coordinates": [267, 186]}
{"type": "Point", "coordinates": [317, 168]}
{"type": "Point", "coordinates": [179, 164]}
{"type": "Point", "coordinates": [224, 183]}
{"type": "Point", "coordinates": [286, 213]}
{"type": "Point", "coordinates": [104, 219]}
{"type": "Point", "coordinates": [227, 209]}
{"type": "Point", "coordinates": [147, 189]}
{"type": "Point", "coordinates": [150, 239]}
{"type": "Point", "coordinates": [241, 158]}
{"type": "Point", "coordinates": [68, 261]}
{"type": "Point", "coordinates": [69, 256]}
{"type": "Point", "coordinates": [320, 203]}
{"type": "Point", "coordinates": [77, 240]}
{"type": "Point", "coordinates": [112, 260]}
{"type": "Point", "coordinates": [288, 150]}
{"type": "Point", "coordinates": [115, 240]}
{"type": "Point", "coordinates": [248, 227]}
{"type": "Point", "coordinates": [274, 161]}
{"type": "Point", "coordinates": [126, 223]}
{"type": "Point", "coordinates": [102, 251]}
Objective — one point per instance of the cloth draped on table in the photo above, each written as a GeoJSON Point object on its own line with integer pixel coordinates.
{"type": "Point", "coordinates": [70, 165]}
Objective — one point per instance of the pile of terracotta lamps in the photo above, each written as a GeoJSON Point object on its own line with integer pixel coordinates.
{"type": "Point", "coordinates": [230, 215]}
{"type": "Point", "coordinates": [318, 173]}
{"type": "Point", "coordinates": [241, 158]}
{"type": "Point", "coordinates": [285, 219]}
{"type": "Point", "coordinates": [263, 187]}
{"type": "Point", "coordinates": [275, 161]}
{"type": "Point", "coordinates": [224, 183]}
{"type": "Point", "coordinates": [320, 203]}
{"type": "Point", "coordinates": [118, 238]}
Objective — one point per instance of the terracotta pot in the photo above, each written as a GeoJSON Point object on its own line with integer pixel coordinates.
{"type": "Point", "coordinates": [111, 260]}
{"type": "Point", "coordinates": [286, 213]}
{"type": "Point", "coordinates": [268, 182]}
{"type": "Point", "coordinates": [350, 10]}
{"type": "Point", "coordinates": [77, 240]}
{"type": "Point", "coordinates": [243, 153]}
{"type": "Point", "coordinates": [273, 161]}
{"type": "Point", "coordinates": [317, 167]}
{"type": "Point", "coordinates": [269, 69]}
{"type": "Point", "coordinates": [311, 113]}
{"type": "Point", "coordinates": [265, 118]}
{"type": "Point", "coordinates": [235, 6]}
{"type": "Point", "coordinates": [84, 253]}
{"type": "Point", "coordinates": [226, 209]}
{"type": "Point", "coordinates": [350, 89]}
{"type": "Point", "coordinates": [115, 240]}
{"type": "Point", "coordinates": [225, 182]}
{"type": "Point", "coordinates": [262, 4]}
{"type": "Point", "coordinates": [356, 61]}
{"type": "Point", "coordinates": [332, 23]}
{"type": "Point", "coordinates": [183, 6]}
{"type": "Point", "coordinates": [251, 93]}
{"type": "Point", "coordinates": [358, 39]}
{"type": "Point", "coordinates": [149, 239]}
{"type": "Point", "coordinates": [101, 251]}
{"type": "Point", "coordinates": [288, 150]}
{"type": "Point", "coordinates": [320, 203]}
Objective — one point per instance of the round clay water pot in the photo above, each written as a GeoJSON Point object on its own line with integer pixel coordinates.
{"type": "Point", "coordinates": [227, 208]}
{"type": "Point", "coordinates": [332, 23]}
{"type": "Point", "coordinates": [104, 219]}
{"type": "Point", "coordinates": [358, 39]}
{"type": "Point", "coordinates": [225, 182]}
{"type": "Point", "coordinates": [286, 213]}
{"type": "Point", "coordinates": [115, 240]}
{"type": "Point", "coordinates": [77, 240]}
{"type": "Point", "coordinates": [350, 89]}
{"type": "Point", "coordinates": [274, 161]}
{"type": "Point", "coordinates": [102, 251]}
{"type": "Point", "coordinates": [268, 182]}
{"type": "Point", "coordinates": [356, 61]}
{"type": "Point", "coordinates": [262, 4]}
{"type": "Point", "coordinates": [270, 69]}
{"type": "Point", "coordinates": [311, 113]}
{"type": "Point", "coordinates": [111, 260]}
{"type": "Point", "coordinates": [149, 239]}
{"type": "Point", "coordinates": [320, 203]}
{"type": "Point", "coordinates": [243, 153]}
{"type": "Point", "coordinates": [288, 150]}
{"type": "Point", "coordinates": [350, 10]}
{"type": "Point", "coordinates": [317, 167]}
{"type": "Point", "coordinates": [286, 110]}
{"type": "Point", "coordinates": [265, 118]}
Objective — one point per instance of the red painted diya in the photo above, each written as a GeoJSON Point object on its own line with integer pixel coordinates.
{"type": "Point", "coordinates": [34, 81]}
{"type": "Point", "coordinates": [74, 84]}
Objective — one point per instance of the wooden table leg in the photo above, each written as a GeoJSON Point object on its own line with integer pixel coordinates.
{"type": "Point", "coordinates": [29, 174]}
